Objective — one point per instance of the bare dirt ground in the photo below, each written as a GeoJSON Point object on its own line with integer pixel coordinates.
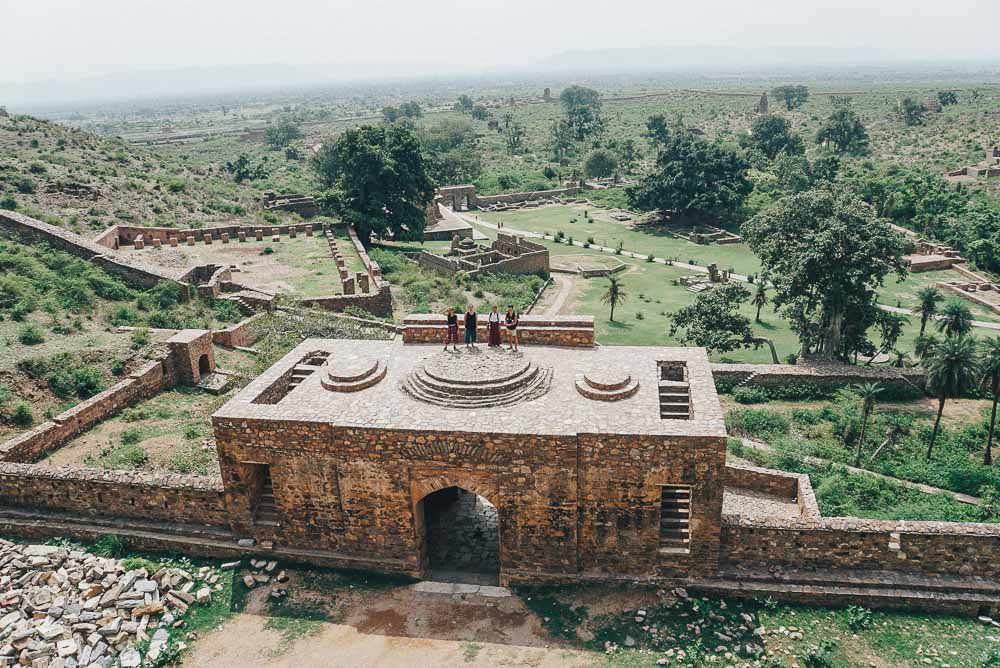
{"type": "Point", "coordinates": [397, 627]}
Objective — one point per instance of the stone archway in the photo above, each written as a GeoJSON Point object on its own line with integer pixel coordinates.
{"type": "Point", "coordinates": [457, 528]}
{"type": "Point", "coordinates": [204, 366]}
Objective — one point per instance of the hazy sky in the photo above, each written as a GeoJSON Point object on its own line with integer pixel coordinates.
{"type": "Point", "coordinates": [66, 39]}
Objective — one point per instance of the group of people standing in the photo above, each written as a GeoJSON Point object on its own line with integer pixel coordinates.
{"type": "Point", "coordinates": [509, 321]}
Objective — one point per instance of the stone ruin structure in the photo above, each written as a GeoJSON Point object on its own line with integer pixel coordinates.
{"type": "Point", "coordinates": [598, 464]}
{"type": "Point", "coordinates": [975, 288]}
{"type": "Point", "coordinates": [509, 254]}
{"type": "Point", "coordinates": [932, 256]}
{"type": "Point", "coordinates": [988, 168]}
{"type": "Point", "coordinates": [699, 282]}
{"type": "Point", "coordinates": [762, 105]}
{"type": "Point", "coordinates": [304, 205]}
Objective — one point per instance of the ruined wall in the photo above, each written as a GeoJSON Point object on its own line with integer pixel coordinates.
{"type": "Point", "coordinates": [100, 493]}
{"type": "Point", "coordinates": [924, 548]}
{"type": "Point", "coordinates": [568, 508]}
{"type": "Point", "coordinates": [794, 486]}
{"type": "Point", "coordinates": [242, 334]}
{"type": "Point", "coordinates": [377, 303]}
{"type": "Point", "coordinates": [782, 375]}
{"type": "Point", "coordinates": [516, 198]}
{"type": "Point", "coordinates": [47, 436]}
{"type": "Point", "coordinates": [575, 331]}
{"type": "Point", "coordinates": [187, 348]}
{"type": "Point", "coordinates": [138, 276]}
{"type": "Point", "coordinates": [123, 235]}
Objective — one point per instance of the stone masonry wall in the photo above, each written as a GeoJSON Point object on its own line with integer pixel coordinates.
{"type": "Point", "coordinates": [136, 275]}
{"type": "Point", "coordinates": [574, 331]}
{"type": "Point", "coordinates": [515, 198]}
{"type": "Point", "coordinates": [172, 498]}
{"type": "Point", "coordinates": [925, 548]}
{"type": "Point", "coordinates": [780, 375]}
{"type": "Point", "coordinates": [242, 334]}
{"type": "Point", "coordinates": [794, 486]}
{"type": "Point", "coordinates": [45, 437]}
{"type": "Point", "coordinates": [568, 508]}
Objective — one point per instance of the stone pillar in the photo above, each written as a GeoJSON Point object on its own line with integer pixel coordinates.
{"type": "Point", "coordinates": [156, 243]}
{"type": "Point", "coordinates": [348, 286]}
{"type": "Point", "coordinates": [207, 238]}
{"type": "Point", "coordinates": [191, 240]}
{"type": "Point", "coordinates": [259, 234]}
{"type": "Point", "coordinates": [276, 238]}
{"type": "Point", "coordinates": [173, 242]}
{"type": "Point", "coordinates": [309, 230]}
{"type": "Point", "coordinates": [362, 280]}
{"type": "Point", "coordinates": [137, 245]}
{"type": "Point", "coordinates": [243, 236]}
{"type": "Point", "coordinates": [225, 237]}
{"type": "Point", "coordinates": [291, 232]}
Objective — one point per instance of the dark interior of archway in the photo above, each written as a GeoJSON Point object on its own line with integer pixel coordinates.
{"type": "Point", "coordinates": [203, 366]}
{"type": "Point", "coordinates": [462, 537]}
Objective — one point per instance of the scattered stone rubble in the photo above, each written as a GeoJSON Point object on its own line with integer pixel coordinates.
{"type": "Point", "coordinates": [66, 608]}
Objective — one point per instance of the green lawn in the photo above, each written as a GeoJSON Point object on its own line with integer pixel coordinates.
{"type": "Point", "coordinates": [905, 294]}
{"type": "Point", "coordinates": [553, 219]}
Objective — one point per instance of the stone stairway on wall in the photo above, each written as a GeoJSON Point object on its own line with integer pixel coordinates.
{"type": "Point", "coordinates": [266, 514]}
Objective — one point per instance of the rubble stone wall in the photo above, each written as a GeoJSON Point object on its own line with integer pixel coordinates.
{"type": "Point", "coordinates": [515, 198]}
{"type": "Point", "coordinates": [377, 303]}
{"type": "Point", "coordinates": [782, 375]}
{"type": "Point", "coordinates": [117, 236]}
{"type": "Point", "coordinates": [926, 548]}
{"type": "Point", "coordinates": [47, 436]}
{"type": "Point", "coordinates": [242, 334]}
{"type": "Point", "coordinates": [174, 498]}
{"type": "Point", "coordinates": [572, 507]}
{"type": "Point", "coordinates": [793, 486]}
{"type": "Point", "coordinates": [574, 331]}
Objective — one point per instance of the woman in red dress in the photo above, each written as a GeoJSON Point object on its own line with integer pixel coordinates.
{"type": "Point", "coordinates": [494, 325]}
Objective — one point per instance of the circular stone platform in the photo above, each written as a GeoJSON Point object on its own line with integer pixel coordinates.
{"type": "Point", "coordinates": [483, 378]}
{"type": "Point", "coordinates": [353, 374]}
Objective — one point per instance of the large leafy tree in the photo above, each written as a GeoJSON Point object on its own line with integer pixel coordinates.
{"type": "Point", "coordinates": [771, 135]}
{"type": "Point", "coordinates": [282, 133]}
{"type": "Point", "coordinates": [600, 163]}
{"type": "Point", "coordinates": [793, 96]}
{"type": "Point", "coordinates": [826, 253]}
{"type": "Point", "coordinates": [582, 106]}
{"type": "Point", "coordinates": [692, 176]}
{"type": "Point", "coordinates": [376, 179]}
{"type": "Point", "coordinates": [912, 112]}
{"type": "Point", "coordinates": [452, 154]}
{"type": "Point", "coordinates": [844, 132]}
{"type": "Point", "coordinates": [714, 321]}
{"type": "Point", "coordinates": [952, 369]}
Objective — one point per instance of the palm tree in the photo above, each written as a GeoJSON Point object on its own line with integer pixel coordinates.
{"type": "Point", "coordinates": [952, 368]}
{"type": "Point", "coordinates": [900, 359]}
{"type": "Point", "coordinates": [891, 328]}
{"type": "Point", "coordinates": [867, 392]}
{"type": "Point", "coordinates": [989, 365]}
{"type": "Point", "coordinates": [923, 344]}
{"type": "Point", "coordinates": [956, 319]}
{"type": "Point", "coordinates": [927, 304]}
{"type": "Point", "coordinates": [759, 298]}
{"type": "Point", "coordinates": [615, 295]}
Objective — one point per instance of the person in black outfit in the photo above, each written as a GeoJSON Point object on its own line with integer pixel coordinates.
{"type": "Point", "coordinates": [452, 336]}
{"type": "Point", "coordinates": [471, 321]}
{"type": "Point", "coordinates": [512, 321]}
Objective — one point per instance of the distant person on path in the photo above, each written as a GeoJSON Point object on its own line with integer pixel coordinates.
{"type": "Point", "coordinates": [452, 335]}
{"type": "Point", "coordinates": [494, 325]}
{"type": "Point", "coordinates": [512, 320]}
{"type": "Point", "coordinates": [471, 321]}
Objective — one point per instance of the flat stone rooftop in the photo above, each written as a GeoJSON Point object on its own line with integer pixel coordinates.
{"type": "Point", "coordinates": [551, 403]}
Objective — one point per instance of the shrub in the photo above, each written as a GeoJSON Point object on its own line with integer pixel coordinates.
{"type": "Point", "coordinates": [750, 394]}
{"type": "Point", "coordinates": [140, 337]}
{"type": "Point", "coordinates": [131, 436]}
{"type": "Point", "coordinates": [165, 320]}
{"type": "Point", "coordinates": [8, 202]}
{"type": "Point", "coordinates": [226, 310]}
{"type": "Point", "coordinates": [30, 335]}
{"type": "Point", "coordinates": [22, 415]}
{"type": "Point", "coordinates": [83, 381]}
{"type": "Point", "coordinates": [267, 250]}
{"type": "Point", "coordinates": [123, 316]}
{"type": "Point", "coordinates": [859, 618]}
{"type": "Point", "coordinates": [756, 422]}
{"type": "Point", "coordinates": [110, 547]}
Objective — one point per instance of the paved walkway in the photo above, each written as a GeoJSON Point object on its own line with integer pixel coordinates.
{"type": "Point", "coordinates": [565, 284]}
{"type": "Point", "coordinates": [817, 461]}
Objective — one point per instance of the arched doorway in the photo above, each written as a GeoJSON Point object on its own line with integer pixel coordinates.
{"type": "Point", "coordinates": [204, 367]}
{"type": "Point", "coordinates": [460, 537]}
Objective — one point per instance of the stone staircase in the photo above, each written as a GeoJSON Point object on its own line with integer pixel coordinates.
{"type": "Point", "coordinates": [675, 517]}
{"type": "Point", "coordinates": [527, 383]}
{"type": "Point", "coordinates": [675, 400]}
{"type": "Point", "coordinates": [266, 514]}
{"type": "Point", "coordinates": [307, 367]}
{"type": "Point", "coordinates": [698, 288]}
{"type": "Point", "coordinates": [606, 387]}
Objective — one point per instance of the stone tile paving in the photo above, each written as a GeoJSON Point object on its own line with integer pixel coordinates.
{"type": "Point", "coordinates": [561, 411]}
{"type": "Point", "coordinates": [751, 503]}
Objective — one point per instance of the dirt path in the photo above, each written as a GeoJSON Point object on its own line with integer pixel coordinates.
{"type": "Point", "coordinates": [565, 284]}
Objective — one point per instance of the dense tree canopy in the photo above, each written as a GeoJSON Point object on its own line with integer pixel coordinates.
{"type": "Point", "coordinates": [912, 112]}
{"type": "Point", "coordinates": [844, 132]}
{"type": "Point", "coordinates": [582, 106]}
{"type": "Point", "coordinates": [691, 176]}
{"type": "Point", "coordinates": [826, 253]}
{"type": "Point", "coordinates": [714, 321]}
{"type": "Point", "coordinates": [600, 163]}
{"type": "Point", "coordinates": [376, 178]}
{"type": "Point", "coordinates": [282, 133]}
{"type": "Point", "coordinates": [452, 151]}
{"type": "Point", "coordinates": [792, 96]}
{"type": "Point", "coordinates": [771, 134]}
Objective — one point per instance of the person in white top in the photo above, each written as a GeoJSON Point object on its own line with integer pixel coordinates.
{"type": "Point", "coordinates": [494, 328]}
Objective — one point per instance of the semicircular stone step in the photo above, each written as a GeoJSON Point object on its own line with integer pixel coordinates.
{"type": "Point", "coordinates": [597, 394]}
{"type": "Point", "coordinates": [538, 386]}
{"type": "Point", "coordinates": [447, 388]}
{"type": "Point", "coordinates": [607, 380]}
{"type": "Point", "coordinates": [374, 377]}
{"type": "Point", "coordinates": [351, 370]}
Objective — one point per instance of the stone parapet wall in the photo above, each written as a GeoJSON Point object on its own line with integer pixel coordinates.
{"type": "Point", "coordinates": [573, 331]}
{"type": "Point", "coordinates": [924, 548]}
{"type": "Point", "coordinates": [793, 486]}
{"type": "Point", "coordinates": [123, 235]}
{"type": "Point", "coordinates": [781, 375]}
{"type": "Point", "coordinates": [374, 271]}
{"type": "Point", "coordinates": [47, 436]}
{"type": "Point", "coordinates": [377, 303]}
{"type": "Point", "coordinates": [101, 493]}
{"type": "Point", "coordinates": [516, 198]}
{"type": "Point", "coordinates": [135, 275]}
{"type": "Point", "coordinates": [242, 334]}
